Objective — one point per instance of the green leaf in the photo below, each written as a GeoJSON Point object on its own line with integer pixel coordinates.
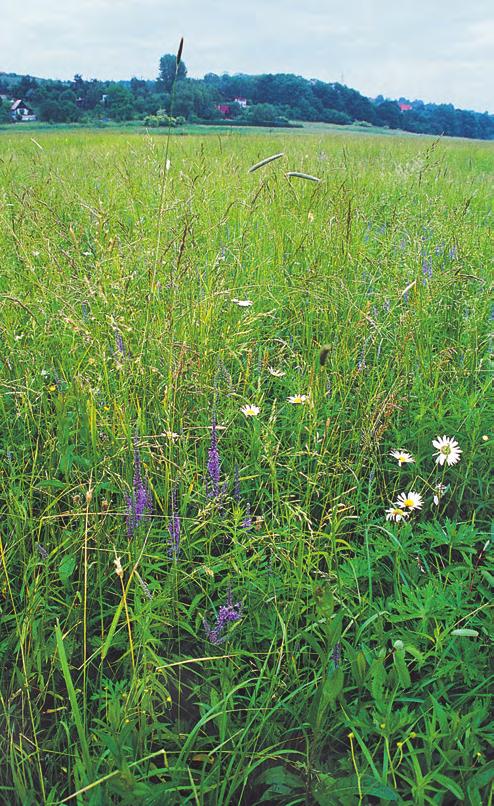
{"type": "Point", "coordinates": [450, 785]}
{"type": "Point", "coordinates": [359, 668]}
{"type": "Point", "coordinates": [327, 692]}
{"type": "Point", "coordinates": [324, 600]}
{"type": "Point", "coordinates": [401, 669]}
{"type": "Point", "coordinates": [279, 781]}
{"type": "Point", "coordinates": [66, 568]}
{"type": "Point", "coordinates": [372, 787]}
{"type": "Point", "coordinates": [378, 679]}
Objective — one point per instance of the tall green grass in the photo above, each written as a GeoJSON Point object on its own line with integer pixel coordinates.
{"type": "Point", "coordinates": [110, 692]}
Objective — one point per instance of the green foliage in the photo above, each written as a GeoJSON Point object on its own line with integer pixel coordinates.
{"type": "Point", "coordinates": [359, 668]}
{"type": "Point", "coordinates": [272, 100]}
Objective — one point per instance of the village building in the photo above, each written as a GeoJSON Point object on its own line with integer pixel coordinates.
{"type": "Point", "coordinates": [21, 112]}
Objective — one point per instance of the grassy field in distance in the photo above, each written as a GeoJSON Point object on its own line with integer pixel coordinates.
{"type": "Point", "coordinates": [246, 444]}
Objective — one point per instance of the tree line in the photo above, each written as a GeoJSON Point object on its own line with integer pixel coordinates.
{"type": "Point", "coordinates": [272, 100]}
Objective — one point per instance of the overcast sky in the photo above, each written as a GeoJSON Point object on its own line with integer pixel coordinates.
{"type": "Point", "coordinates": [438, 50]}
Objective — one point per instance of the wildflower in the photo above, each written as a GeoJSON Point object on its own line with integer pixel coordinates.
{"type": "Point", "coordinates": [44, 373]}
{"type": "Point", "coordinates": [447, 450]}
{"type": "Point", "coordinates": [168, 165]}
{"type": "Point", "coordinates": [276, 373]}
{"type": "Point", "coordinates": [440, 489]}
{"type": "Point", "coordinates": [298, 400]}
{"type": "Point", "coordinates": [227, 614]}
{"type": "Point", "coordinates": [247, 521]}
{"type": "Point", "coordinates": [396, 514]}
{"type": "Point", "coordinates": [174, 527]}
{"type": "Point", "coordinates": [171, 435]}
{"type": "Point", "coordinates": [140, 501]}
{"type": "Point", "coordinates": [426, 270]}
{"type": "Point", "coordinates": [144, 587]}
{"type": "Point", "coordinates": [243, 303]}
{"type": "Point", "coordinates": [485, 438]}
{"type": "Point", "coordinates": [410, 500]}
{"type": "Point", "coordinates": [52, 387]}
{"type": "Point", "coordinates": [214, 462]}
{"type": "Point", "coordinates": [118, 566]}
{"type": "Point", "coordinates": [119, 342]}
{"type": "Point", "coordinates": [403, 457]}
{"type": "Point", "coordinates": [250, 411]}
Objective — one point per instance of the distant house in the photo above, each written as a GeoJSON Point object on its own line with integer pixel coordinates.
{"type": "Point", "coordinates": [405, 107]}
{"type": "Point", "coordinates": [223, 108]}
{"type": "Point", "coordinates": [241, 102]}
{"type": "Point", "coordinates": [20, 112]}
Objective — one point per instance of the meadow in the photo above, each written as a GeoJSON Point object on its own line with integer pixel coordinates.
{"type": "Point", "coordinates": [234, 568]}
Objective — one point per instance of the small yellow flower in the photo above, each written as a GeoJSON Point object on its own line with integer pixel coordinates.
{"type": "Point", "coordinates": [91, 361]}
{"type": "Point", "coordinates": [52, 388]}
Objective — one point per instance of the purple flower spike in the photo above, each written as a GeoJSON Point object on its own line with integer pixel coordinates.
{"type": "Point", "coordinates": [140, 501]}
{"type": "Point", "coordinates": [214, 463]}
{"type": "Point", "coordinates": [247, 521]}
{"type": "Point", "coordinates": [227, 614]}
{"type": "Point", "coordinates": [336, 655]}
{"type": "Point", "coordinates": [426, 270]}
{"type": "Point", "coordinates": [119, 342]}
{"type": "Point", "coordinates": [174, 528]}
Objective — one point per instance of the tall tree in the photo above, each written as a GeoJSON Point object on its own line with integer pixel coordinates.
{"type": "Point", "coordinates": [168, 71]}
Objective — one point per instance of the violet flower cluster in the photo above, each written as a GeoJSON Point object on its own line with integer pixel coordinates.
{"type": "Point", "coordinates": [227, 614]}
{"type": "Point", "coordinates": [214, 463]}
{"type": "Point", "coordinates": [140, 501]}
{"type": "Point", "coordinates": [174, 527]}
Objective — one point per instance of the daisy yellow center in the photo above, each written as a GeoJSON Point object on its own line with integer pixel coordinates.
{"type": "Point", "coordinates": [446, 450]}
{"type": "Point", "coordinates": [398, 511]}
{"type": "Point", "coordinates": [408, 502]}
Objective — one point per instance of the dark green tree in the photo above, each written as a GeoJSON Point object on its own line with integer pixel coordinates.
{"type": "Point", "coordinates": [167, 72]}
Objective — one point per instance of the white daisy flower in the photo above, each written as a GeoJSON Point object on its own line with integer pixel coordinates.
{"type": "Point", "coordinates": [298, 400]}
{"type": "Point", "coordinates": [276, 373]}
{"type": "Point", "coordinates": [250, 411]}
{"type": "Point", "coordinates": [410, 500]}
{"type": "Point", "coordinates": [447, 450]}
{"type": "Point", "coordinates": [243, 303]}
{"type": "Point", "coordinates": [403, 457]}
{"type": "Point", "coordinates": [396, 514]}
{"type": "Point", "coordinates": [170, 435]}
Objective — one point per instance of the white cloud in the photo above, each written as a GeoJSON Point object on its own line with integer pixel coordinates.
{"type": "Point", "coordinates": [440, 51]}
